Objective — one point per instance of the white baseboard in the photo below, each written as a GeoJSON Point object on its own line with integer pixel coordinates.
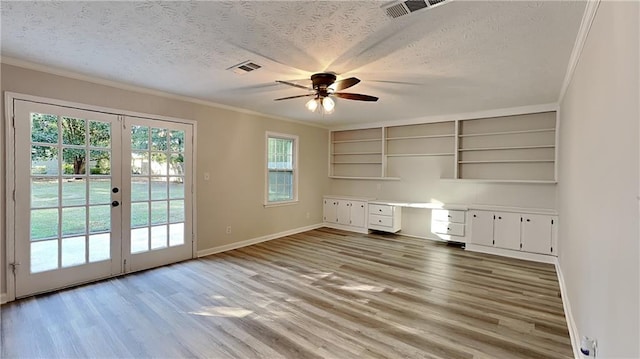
{"type": "Point", "coordinates": [571, 324]}
{"type": "Point", "coordinates": [248, 242]}
{"type": "Point", "coordinates": [511, 253]}
{"type": "Point", "coordinates": [3, 298]}
{"type": "Point", "coordinates": [345, 227]}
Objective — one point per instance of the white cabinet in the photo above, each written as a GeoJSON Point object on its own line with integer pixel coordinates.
{"type": "Point", "coordinates": [538, 234]}
{"type": "Point", "coordinates": [448, 224]}
{"type": "Point", "coordinates": [506, 230]}
{"type": "Point", "coordinates": [532, 233]}
{"type": "Point", "coordinates": [345, 213]}
{"type": "Point", "coordinates": [383, 217]}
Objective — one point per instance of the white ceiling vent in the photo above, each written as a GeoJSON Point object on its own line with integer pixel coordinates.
{"type": "Point", "coordinates": [400, 8]}
{"type": "Point", "coordinates": [244, 67]}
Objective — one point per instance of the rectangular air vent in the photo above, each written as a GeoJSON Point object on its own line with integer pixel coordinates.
{"type": "Point", "coordinates": [244, 67]}
{"type": "Point", "coordinates": [400, 8]}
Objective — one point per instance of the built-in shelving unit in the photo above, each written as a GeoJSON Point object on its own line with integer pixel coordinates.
{"type": "Point", "coordinates": [357, 153]}
{"type": "Point", "coordinates": [508, 148]}
{"type": "Point", "coordinates": [517, 148]}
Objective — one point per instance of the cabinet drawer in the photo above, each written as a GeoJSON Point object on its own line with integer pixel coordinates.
{"type": "Point", "coordinates": [454, 229]}
{"type": "Point", "coordinates": [378, 220]}
{"type": "Point", "coordinates": [445, 215]}
{"type": "Point", "coordinates": [380, 209]}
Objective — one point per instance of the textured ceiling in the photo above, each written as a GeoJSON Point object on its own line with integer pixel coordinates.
{"type": "Point", "coordinates": [461, 56]}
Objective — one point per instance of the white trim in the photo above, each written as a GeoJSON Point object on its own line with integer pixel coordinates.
{"type": "Point", "coordinates": [139, 89]}
{"type": "Point", "coordinates": [252, 241]}
{"type": "Point", "coordinates": [535, 257]}
{"type": "Point", "coordinates": [510, 111]}
{"type": "Point", "coordinates": [571, 324]}
{"type": "Point", "coordinates": [10, 185]}
{"type": "Point", "coordinates": [3, 298]}
{"type": "Point", "coordinates": [296, 145]}
{"type": "Point", "coordinates": [583, 32]}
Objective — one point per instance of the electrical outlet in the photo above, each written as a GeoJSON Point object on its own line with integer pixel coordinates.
{"type": "Point", "coordinates": [207, 176]}
{"type": "Point", "coordinates": [228, 230]}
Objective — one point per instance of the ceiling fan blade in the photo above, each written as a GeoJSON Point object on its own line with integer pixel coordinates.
{"type": "Point", "coordinates": [355, 96]}
{"type": "Point", "coordinates": [286, 98]}
{"type": "Point", "coordinates": [344, 84]}
{"type": "Point", "coordinates": [295, 85]}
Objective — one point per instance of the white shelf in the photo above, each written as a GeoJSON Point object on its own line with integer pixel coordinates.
{"type": "Point", "coordinates": [508, 132]}
{"type": "Point", "coordinates": [418, 137]}
{"type": "Point", "coordinates": [356, 153]}
{"type": "Point", "coordinates": [506, 148]}
{"type": "Point", "coordinates": [363, 140]}
{"type": "Point", "coordinates": [507, 161]}
{"type": "Point", "coordinates": [421, 154]}
{"type": "Point", "coordinates": [367, 178]}
{"type": "Point", "coordinates": [356, 163]}
{"type": "Point", "coordinates": [472, 180]}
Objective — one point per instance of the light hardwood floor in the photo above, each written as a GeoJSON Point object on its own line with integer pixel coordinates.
{"type": "Point", "coordinates": [319, 294]}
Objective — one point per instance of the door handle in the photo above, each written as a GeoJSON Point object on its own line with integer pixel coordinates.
{"type": "Point", "coordinates": [115, 203]}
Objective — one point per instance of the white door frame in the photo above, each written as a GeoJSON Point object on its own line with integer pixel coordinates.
{"type": "Point", "coordinates": [10, 228]}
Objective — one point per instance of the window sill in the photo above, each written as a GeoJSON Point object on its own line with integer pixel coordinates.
{"type": "Point", "coordinates": [280, 204]}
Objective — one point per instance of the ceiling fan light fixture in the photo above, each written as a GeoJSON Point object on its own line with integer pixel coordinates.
{"type": "Point", "coordinates": [312, 105]}
{"type": "Point", "coordinates": [328, 105]}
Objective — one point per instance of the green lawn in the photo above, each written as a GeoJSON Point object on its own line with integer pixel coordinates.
{"type": "Point", "coordinates": [167, 205]}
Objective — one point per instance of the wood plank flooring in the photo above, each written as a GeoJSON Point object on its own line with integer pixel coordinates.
{"type": "Point", "coordinates": [318, 294]}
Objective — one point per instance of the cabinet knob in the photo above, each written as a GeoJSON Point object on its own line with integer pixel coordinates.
{"type": "Point", "coordinates": [474, 216]}
{"type": "Point", "coordinates": [449, 215]}
{"type": "Point", "coordinates": [499, 217]}
{"type": "Point", "coordinates": [448, 229]}
{"type": "Point", "coordinates": [379, 210]}
{"type": "Point", "coordinates": [528, 220]}
{"type": "Point", "coordinates": [379, 221]}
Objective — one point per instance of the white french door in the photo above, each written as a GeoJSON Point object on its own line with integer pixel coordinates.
{"type": "Point", "coordinates": [97, 195]}
{"type": "Point", "coordinates": [158, 187]}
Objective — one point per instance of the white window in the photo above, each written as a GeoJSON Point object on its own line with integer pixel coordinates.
{"type": "Point", "coordinates": [282, 169]}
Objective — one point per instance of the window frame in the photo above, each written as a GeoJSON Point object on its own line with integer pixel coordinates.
{"type": "Point", "coordinates": [295, 139]}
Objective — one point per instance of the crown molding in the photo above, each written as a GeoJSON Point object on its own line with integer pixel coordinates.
{"type": "Point", "coordinates": [583, 32]}
{"type": "Point", "coordinates": [139, 89]}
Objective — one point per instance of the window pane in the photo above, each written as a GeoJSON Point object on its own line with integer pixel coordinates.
{"type": "Point", "coordinates": [280, 163]}
{"type": "Point", "coordinates": [44, 256]}
{"type": "Point", "coordinates": [176, 165]}
{"type": "Point", "coordinates": [139, 163]}
{"type": "Point", "coordinates": [74, 161]}
{"type": "Point", "coordinates": [159, 212]}
{"type": "Point", "coordinates": [158, 139]}
{"type": "Point", "coordinates": [139, 240]}
{"type": "Point", "coordinates": [176, 187]}
{"type": "Point", "coordinates": [44, 128]}
{"type": "Point", "coordinates": [73, 251]}
{"type": "Point", "coordinates": [139, 214]}
{"type": "Point", "coordinates": [100, 134]}
{"type": "Point", "coordinates": [159, 188]}
{"type": "Point", "coordinates": [159, 237]}
{"type": "Point", "coordinates": [176, 211]}
{"type": "Point", "coordinates": [177, 141]}
{"type": "Point", "coordinates": [44, 160]}
{"type": "Point", "coordinates": [44, 224]}
{"type": "Point", "coordinates": [44, 192]}
{"type": "Point", "coordinates": [139, 188]}
{"type": "Point", "coordinates": [99, 247]}
{"type": "Point", "coordinates": [74, 192]}
{"type": "Point", "coordinates": [74, 221]}
{"type": "Point", "coordinates": [139, 137]}
{"type": "Point", "coordinates": [73, 131]}
{"type": "Point", "coordinates": [158, 163]}
{"type": "Point", "coordinates": [176, 234]}
{"type": "Point", "coordinates": [99, 191]}
{"type": "Point", "coordinates": [100, 162]}
{"type": "Point", "coordinates": [99, 219]}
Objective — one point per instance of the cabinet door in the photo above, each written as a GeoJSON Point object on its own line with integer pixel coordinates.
{"type": "Point", "coordinates": [536, 233]}
{"type": "Point", "coordinates": [506, 230]}
{"type": "Point", "coordinates": [481, 227]}
{"type": "Point", "coordinates": [358, 214]}
{"type": "Point", "coordinates": [330, 210]}
{"type": "Point", "coordinates": [344, 212]}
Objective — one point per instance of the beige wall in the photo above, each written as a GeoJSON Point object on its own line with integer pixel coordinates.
{"type": "Point", "coordinates": [230, 146]}
{"type": "Point", "coordinates": [598, 203]}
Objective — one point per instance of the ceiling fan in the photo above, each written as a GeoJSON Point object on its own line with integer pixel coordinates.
{"type": "Point", "coordinates": [324, 85]}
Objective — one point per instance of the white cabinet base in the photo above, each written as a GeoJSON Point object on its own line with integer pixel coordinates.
{"type": "Point", "coordinates": [346, 228]}
{"type": "Point", "coordinates": [535, 257]}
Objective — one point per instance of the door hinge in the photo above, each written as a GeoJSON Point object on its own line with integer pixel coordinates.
{"type": "Point", "coordinates": [124, 265]}
{"type": "Point", "coordinates": [193, 237]}
{"type": "Point", "coordinates": [14, 267]}
{"type": "Point", "coordinates": [14, 195]}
